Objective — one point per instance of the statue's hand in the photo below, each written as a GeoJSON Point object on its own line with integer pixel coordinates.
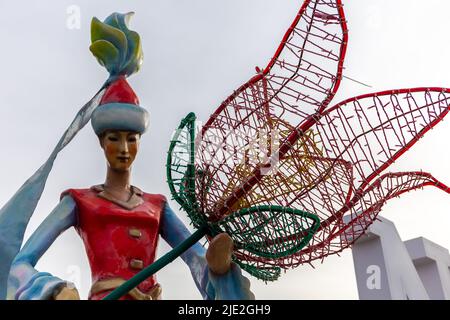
{"type": "Point", "coordinates": [67, 293]}
{"type": "Point", "coordinates": [218, 255]}
{"type": "Point", "coordinates": [226, 281]}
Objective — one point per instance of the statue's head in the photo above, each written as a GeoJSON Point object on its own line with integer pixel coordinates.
{"type": "Point", "coordinates": [120, 148]}
{"type": "Point", "coordinates": [119, 122]}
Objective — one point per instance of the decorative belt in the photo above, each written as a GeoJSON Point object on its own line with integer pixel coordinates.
{"type": "Point", "coordinates": [113, 283]}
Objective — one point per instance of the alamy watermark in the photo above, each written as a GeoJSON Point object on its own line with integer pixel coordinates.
{"type": "Point", "coordinates": [233, 148]}
{"type": "Point", "coordinates": [73, 17]}
{"type": "Point", "coordinates": [73, 273]}
{"type": "Point", "coordinates": [373, 281]}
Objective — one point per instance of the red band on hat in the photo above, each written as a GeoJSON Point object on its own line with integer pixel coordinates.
{"type": "Point", "coordinates": [120, 92]}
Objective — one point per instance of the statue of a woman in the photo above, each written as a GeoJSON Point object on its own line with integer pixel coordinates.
{"type": "Point", "coordinates": [119, 224]}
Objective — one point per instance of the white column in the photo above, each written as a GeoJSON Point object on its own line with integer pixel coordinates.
{"type": "Point", "coordinates": [383, 267]}
{"type": "Point", "coordinates": [432, 263]}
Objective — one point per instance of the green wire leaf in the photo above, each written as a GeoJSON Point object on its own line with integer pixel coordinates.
{"type": "Point", "coordinates": [265, 274]}
{"type": "Point", "coordinates": [181, 172]}
{"type": "Point", "coordinates": [270, 231]}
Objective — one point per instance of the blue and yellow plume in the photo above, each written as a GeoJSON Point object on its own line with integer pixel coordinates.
{"type": "Point", "coordinates": [116, 47]}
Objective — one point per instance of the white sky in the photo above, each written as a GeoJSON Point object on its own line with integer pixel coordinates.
{"type": "Point", "coordinates": [196, 53]}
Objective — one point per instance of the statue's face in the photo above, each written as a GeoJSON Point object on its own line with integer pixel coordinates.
{"type": "Point", "coordinates": [120, 148]}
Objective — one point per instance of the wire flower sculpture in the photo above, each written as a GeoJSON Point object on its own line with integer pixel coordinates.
{"type": "Point", "coordinates": [283, 202]}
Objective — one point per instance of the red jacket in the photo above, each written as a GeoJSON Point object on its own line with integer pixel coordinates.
{"type": "Point", "coordinates": [119, 242]}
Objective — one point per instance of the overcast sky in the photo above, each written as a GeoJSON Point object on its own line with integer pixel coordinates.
{"type": "Point", "coordinates": [196, 53]}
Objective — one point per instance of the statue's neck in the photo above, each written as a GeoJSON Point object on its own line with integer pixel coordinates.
{"type": "Point", "coordinates": [118, 180]}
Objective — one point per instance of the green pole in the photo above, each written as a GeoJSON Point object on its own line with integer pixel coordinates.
{"type": "Point", "coordinates": [157, 265]}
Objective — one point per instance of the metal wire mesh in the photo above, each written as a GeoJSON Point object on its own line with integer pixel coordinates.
{"type": "Point", "coordinates": [276, 142]}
